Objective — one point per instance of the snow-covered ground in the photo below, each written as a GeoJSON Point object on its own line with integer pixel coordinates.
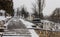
{"type": "Point", "coordinates": [26, 23]}
{"type": "Point", "coordinates": [33, 33]}
{"type": "Point", "coordinates": [29, 25]}
{"type": "Point", "coordinates": [2, 18]}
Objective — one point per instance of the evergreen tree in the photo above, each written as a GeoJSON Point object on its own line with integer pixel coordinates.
{"type": "Point", "coordinates": [24, 13]}
{"type": "Point", "coordinates": [7, 5]}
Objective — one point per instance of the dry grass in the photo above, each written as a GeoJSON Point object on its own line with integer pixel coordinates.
{"type": "Point", "coordinates": [46, 33]}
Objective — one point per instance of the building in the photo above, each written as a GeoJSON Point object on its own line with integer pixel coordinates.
{"type": "Point", "coordinates": [7, 5]}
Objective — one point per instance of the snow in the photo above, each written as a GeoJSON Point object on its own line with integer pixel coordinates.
{"type": "Point", "coordinates": [11, 36]}
{"type": "Point", "coordinates": [2, 11]}
{"type": "Point", "coordinates": [7, 22]}
{"type": "Point", "coordinates": [2, 18]}
{"type": "Point", "coordinates": [46, 21]}
{"type": "Point", "coordinates": [8, 17]}
{"type": "Point", "coordinates": [33, 33]}
{"type": "Point", "coordinates": [29, 25]}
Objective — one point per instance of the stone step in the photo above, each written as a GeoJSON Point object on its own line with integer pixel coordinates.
{"type": "Point", "coordinates": [16, 33]}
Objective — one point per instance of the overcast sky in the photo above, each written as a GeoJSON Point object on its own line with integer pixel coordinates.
{"type": "Point", "coordinates": [26, 3]}
{"type": "Point", "coordinates": [50, 5]}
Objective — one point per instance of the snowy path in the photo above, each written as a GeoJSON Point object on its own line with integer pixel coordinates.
{"type": "Point", "coordinates": [29, 25]}
{"type": "Point", "coordinates": [33, 33]}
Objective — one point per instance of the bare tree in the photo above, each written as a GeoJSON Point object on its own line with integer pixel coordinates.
{"type": "Point", "coordinates": [41, 6]}
{"type": "Point", "coordinates": [55, 16]}
{"type": "Point", "coordinates": [35, 11]}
